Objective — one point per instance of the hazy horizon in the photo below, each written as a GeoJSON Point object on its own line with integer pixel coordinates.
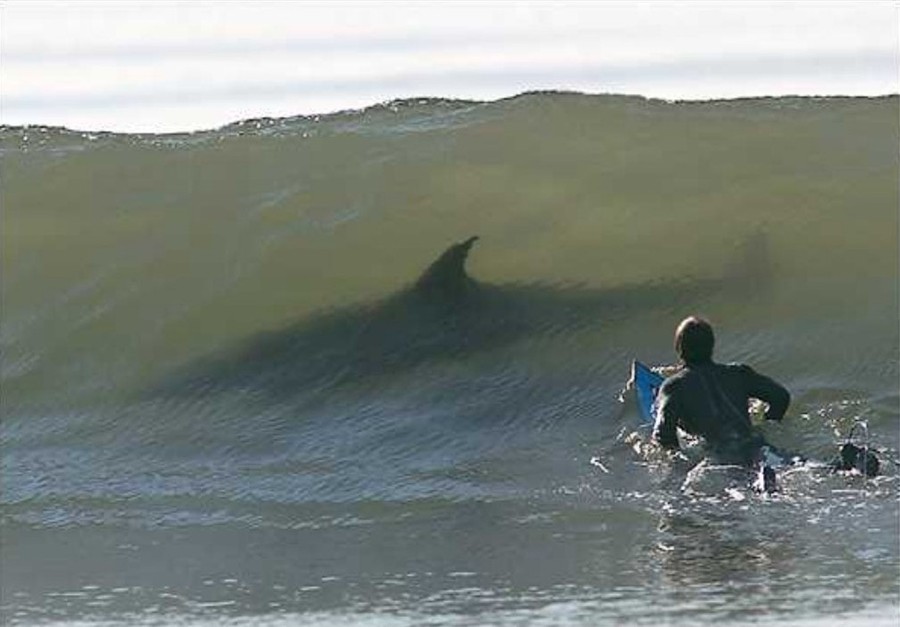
{"type": "Point", "coordinates": [179, 67]}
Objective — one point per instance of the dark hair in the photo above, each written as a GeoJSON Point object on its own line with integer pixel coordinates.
{"type": "Point", "coordinates": [694, 340]}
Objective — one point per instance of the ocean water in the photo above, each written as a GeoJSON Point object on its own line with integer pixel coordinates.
{"type": "Point", "coordinates": [225, 401]}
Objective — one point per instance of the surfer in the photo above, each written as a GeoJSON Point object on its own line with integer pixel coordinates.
{"type": "Point", "coordinates": [710, 400]}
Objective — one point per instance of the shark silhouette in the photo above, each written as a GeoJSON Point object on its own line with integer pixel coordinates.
{"type": "Point", "coordinates": [444, 314]}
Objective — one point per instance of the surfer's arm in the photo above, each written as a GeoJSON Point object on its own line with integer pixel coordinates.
{"type": "Point", "coordinates": [664, 430]}
{"type": "Point", "coordinates": [770, 391]}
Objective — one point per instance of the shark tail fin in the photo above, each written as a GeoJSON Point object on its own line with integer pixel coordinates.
{"type": "Point", "coordinates": [753, 263]}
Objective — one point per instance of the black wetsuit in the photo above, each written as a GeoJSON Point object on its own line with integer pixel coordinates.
{"type": "Point", "coordinates": [710, 400]}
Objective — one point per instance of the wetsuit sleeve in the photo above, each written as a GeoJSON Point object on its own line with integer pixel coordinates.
{"type": "Point", "coordinates": [768, 390]}
{"type": "Point", "coordinates": [664, 430]}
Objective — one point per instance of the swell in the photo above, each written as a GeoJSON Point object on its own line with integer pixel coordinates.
{"type": "Point", "coordinates": [128, 257]}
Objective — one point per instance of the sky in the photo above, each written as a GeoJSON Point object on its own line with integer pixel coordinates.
{"type": "Point", "coordinates": [181, 66]}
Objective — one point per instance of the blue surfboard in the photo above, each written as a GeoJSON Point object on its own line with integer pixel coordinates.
{"type": "Point", "coordinates": [646, 387]}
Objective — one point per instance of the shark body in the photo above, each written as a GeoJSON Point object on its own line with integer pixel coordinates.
{"type": "Point", "coordinates": [444, 314]}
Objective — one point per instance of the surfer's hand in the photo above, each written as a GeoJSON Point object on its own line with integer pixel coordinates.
{"type": "Point", "coordinates": [758, 410]}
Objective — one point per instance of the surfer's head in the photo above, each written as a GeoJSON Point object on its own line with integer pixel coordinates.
{"type": "Point", "coordinates": [694, 340]}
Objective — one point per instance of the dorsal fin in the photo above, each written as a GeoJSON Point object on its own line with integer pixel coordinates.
{"type": "Point", "coordinates": [447, 274]}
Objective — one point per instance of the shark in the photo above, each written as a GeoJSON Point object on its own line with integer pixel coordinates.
{"type": "Point", "coordinates": [444, 314]}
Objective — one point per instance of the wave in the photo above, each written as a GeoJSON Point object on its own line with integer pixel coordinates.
{"type": "Point", "coordinates": [259, 295]}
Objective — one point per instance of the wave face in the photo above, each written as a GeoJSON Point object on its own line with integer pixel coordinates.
{"type": "Point", "coordinates": [216, 340]}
